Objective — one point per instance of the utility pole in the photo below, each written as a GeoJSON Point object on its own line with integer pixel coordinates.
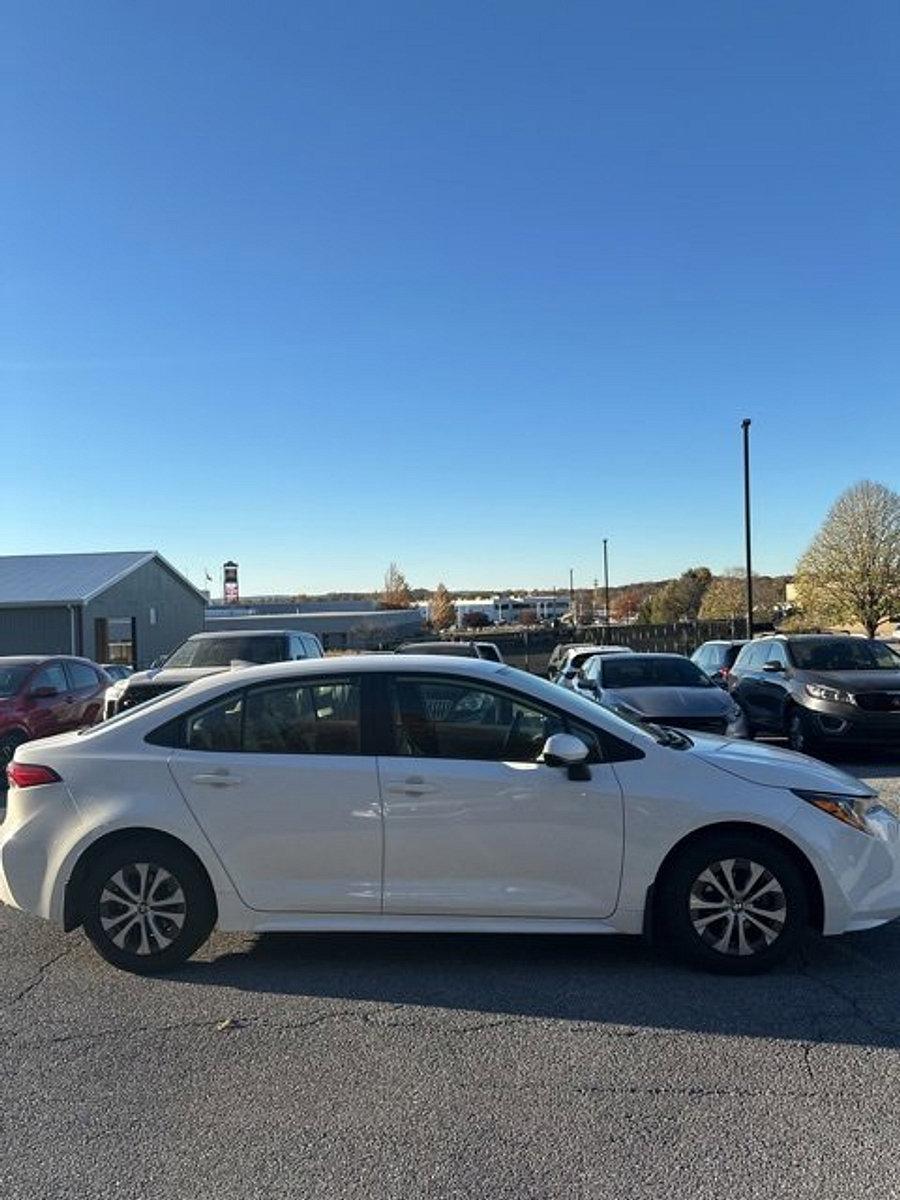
{"type": "Point", "coordinates": [745, 426]}
{"type": "Point", "coordinates": [572, 597]}
{"type": "Point", "coordinates": [606, 580]}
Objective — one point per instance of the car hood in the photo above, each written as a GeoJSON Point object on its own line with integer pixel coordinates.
{"type": "Point", "coordinates": [856, 681]}
{"type": "Point", "coordinates": [772, 767]}
{"type": "Point", "coordinates": [173, 676]}
{"type": "Point", "coordinates": [672, 701]}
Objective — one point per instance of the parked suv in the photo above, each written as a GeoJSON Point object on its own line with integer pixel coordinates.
{"type": "Point", "coordinates": [819, 689]}
{"type": "Point", "coordinates": [41, 696]}
{"type": "Point", "coordinates": [717, 659]}
{"type": "Point", "coordinates": [486, 650]}
{"type": "Point", "coordinates": [207, 654]}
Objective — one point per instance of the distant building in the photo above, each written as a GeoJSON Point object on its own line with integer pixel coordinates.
{"type": "Point", "coordinates": [128, 606]}
{"type": "Point", "coordinates": [507, 610]}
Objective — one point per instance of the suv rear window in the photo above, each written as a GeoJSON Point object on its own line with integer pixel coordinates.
{"type": "Point", "coordinates": [221, 652]}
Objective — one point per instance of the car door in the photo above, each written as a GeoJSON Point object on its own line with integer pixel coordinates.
{"type": "Point", "coordinates": [87, 698]}
{"type": "Point", "coordinates": [56, 711]}
{"type": "Point", "coordinates": [746, 676]}
{"type": "Point", "coordinates": [771, 686]}
{"type": "Point", "coordinates": [475, 824]}
{"type": "Point", "coordinates": [281, 780]}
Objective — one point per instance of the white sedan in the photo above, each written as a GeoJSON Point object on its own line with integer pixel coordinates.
{"type": "Point", "coordinates": [432, 794]}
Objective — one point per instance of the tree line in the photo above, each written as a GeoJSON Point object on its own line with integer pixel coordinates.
{"type": "Point", "coordinates": [849, 574]}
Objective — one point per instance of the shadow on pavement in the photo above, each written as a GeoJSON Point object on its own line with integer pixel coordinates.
{"type": "Point", "coordinates": [836, 990]}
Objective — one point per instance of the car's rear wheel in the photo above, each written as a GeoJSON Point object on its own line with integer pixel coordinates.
{"type": "Point", "coordinates": [146, 905]}
{"type": "Point", "coordinates": [9, 743]}
{"type": "Point", "coordinates": [732, 903]}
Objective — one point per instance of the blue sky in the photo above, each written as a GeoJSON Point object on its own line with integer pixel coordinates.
{"type": "Point", "coordinates": [469, 286]}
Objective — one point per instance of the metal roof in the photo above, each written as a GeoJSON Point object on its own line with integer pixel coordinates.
{"type": "Point", "coordinates": [69, 578]}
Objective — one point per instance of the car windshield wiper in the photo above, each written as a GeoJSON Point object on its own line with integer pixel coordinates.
{"type": "Point", "coordinates": [666, 736]}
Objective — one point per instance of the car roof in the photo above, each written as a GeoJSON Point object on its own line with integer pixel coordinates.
{"type": "Point", "coordinates": [241, 633]}
{"type": "Point", "coordinates": [645, 654]}
{"type": "Point", "coordinates": [32, 660]}
{"type": "Point", "coordinates": [434, 647]}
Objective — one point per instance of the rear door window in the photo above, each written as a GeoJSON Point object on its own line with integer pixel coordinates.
{"type": "Point", "coordinates": [52, 676]}
{"type": "Point", "coordinates": [83, 677]}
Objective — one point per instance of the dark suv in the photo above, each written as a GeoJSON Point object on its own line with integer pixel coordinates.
{"type": "Point", "coordinates": [717, 659]}
{"type": "Point", "coordinates": [820, 689]}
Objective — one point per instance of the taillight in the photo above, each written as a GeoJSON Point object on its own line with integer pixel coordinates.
{"type": "Point", "coordinates": [25, 775]}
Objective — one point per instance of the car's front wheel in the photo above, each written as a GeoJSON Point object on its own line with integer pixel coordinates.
{"type": "Point", "coordinates": [732, 903]}
{"type": "Point", "coordinates": [146, 905]}
{"type": "Point", "coordinates": [800, 736]}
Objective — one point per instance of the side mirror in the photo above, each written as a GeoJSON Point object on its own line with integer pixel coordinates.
{"type": "Point", "coordinates": [563, 750]}
{"type": "Point", "coordinates": [588, 685]}
{"type": "Point", "coordinates": [773, 665]}
{"type": "Point", "coordinates": [43, 693]}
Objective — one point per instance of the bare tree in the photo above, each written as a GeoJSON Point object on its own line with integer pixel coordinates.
{"type": "Point", "coordinates": [396, 593]}
{"type": "Point", "coordinates": [851, 570]}
{"type": "Point", "coordinates": [443, 614]}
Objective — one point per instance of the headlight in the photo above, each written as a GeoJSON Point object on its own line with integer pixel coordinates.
{"type": "Point", "coordinates": [868, 814]}
{"type": "Point", "coordinates": [819, 691]}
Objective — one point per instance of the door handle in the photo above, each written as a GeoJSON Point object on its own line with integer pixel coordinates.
{"type": "Point", "coordinates": [218, 779]}
{"type": "Point", "coordinates": [415, 785]}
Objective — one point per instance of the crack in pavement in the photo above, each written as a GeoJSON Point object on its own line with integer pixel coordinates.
{"type": "Point", "coordinates": [37, 979]}
{"type": "Point", "coordinates": [700, 1090]}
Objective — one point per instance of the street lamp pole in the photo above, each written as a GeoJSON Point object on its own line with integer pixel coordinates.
{"type": "Point", "coordinates": [572, 596]}
{"type": "Point", "coordinates": [745, 426]}
{"type": "Point", "coordinates": [606, 581]}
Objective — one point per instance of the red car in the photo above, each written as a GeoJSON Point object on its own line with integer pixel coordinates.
{"type": "Point", "coordinates": [42, 695]}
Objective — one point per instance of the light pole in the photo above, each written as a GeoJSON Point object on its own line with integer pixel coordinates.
{"type": "Point", "coordinates": [606, 581]}
{"type": "Point", "coordinates": [572, 596]}
{"type": "Point", "coordinates": [745, 426]}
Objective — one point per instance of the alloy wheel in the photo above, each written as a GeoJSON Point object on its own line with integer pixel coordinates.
{"type": "Point", "coordinates": [737, 907]}
{"type": "Point", "coordinates": [142, 908]}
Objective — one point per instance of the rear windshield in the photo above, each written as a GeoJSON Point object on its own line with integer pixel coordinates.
{"type": "Point", "coordinates": [11, 679]}
{"type": "Point", "coordinates": [221, 652]}
{"type": "Point", "coordinates": [631, 670]}
{"type": "Point", "coordinates": [843, 654]}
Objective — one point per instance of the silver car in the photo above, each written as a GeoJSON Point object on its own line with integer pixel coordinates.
{"type": "Point", "coordinates": [666, 689]}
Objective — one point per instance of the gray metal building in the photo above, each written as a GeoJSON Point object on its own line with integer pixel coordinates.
{"type": "Point", "coordinates": [128, 606]}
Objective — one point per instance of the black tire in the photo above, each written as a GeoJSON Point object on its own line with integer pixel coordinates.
{"type": "Point", "coordinates": [740, 941]}
{"type": "Point", "coordinates": [9, 743]}
{"type": "Point", "coordinates": [177, 918]}
{"type": "Point", "coordinates": [798, 731]}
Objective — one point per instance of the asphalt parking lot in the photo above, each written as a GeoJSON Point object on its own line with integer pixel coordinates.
{"type": "Point", "coordinates": [346, 1066]}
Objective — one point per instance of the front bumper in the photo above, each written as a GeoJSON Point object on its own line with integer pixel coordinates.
{"type": "Point", "coordinates": [859, 872]}
{"type": "Point", "coordinates": [847, 724]}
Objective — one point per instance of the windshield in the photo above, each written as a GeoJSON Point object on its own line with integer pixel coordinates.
{"type": "Point", "coordinates": [634, 670]}
{"type": "Point", "coordinates": [11, 679]}
{"type": "Point", "coordinates": [843, 654]}
{"type": "Point", "coordinates": [221, 652]}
